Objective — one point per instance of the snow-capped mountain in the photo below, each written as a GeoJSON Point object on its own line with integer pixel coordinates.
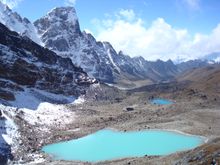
{"type": "Point", "coordinates": [25, 63]}
{"type": "Point", "coordinates": [60, 32]}
{"type": "Point", "coordinates": [206, 60]}
{"type": "Point", "coordinates": [16, 23]}
{"type": "Point", "coordinates": [213, 57]}
{"type": "Point", "coordinates": [32, 78]}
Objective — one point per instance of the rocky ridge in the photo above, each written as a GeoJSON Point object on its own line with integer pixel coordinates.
{"type": "Point", "coordinates": [25, 63]}
{"type": "Point", "coordinates": [15, 22]}
{"type": "Point", "coordinates": [60, 31]}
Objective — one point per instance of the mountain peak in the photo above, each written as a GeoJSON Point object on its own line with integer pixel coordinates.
{"type": "Point", "coordinates": [108, 45]}
{"type": "Point", "coordinates": [4, 10]}
{"type": "Point", "coordinates": [63, 8]}
{"type": "Point", "coordinates": [60, 32]}
{"type": "Point", "coordinates": [2, 6]}
{"type": "Point", "coordinates": [58, 21]}
{"type": "Point", "coordinates": [15, 22]}
{"type": "Point", "coordinates": [67, 14]}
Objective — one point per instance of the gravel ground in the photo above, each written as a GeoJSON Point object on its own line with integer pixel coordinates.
{"type": "Point", "coordinates": [191, 113]}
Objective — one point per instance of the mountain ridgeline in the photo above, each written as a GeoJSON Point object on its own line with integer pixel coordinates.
{"type": "Point", "coordinates": [16, 23]}
{"type": "Point", "coordinates": [23, 62]}
{"type": "Point", "coordinates": [59, 31]}
{"type": "Point", "coordinates": [56, 84]}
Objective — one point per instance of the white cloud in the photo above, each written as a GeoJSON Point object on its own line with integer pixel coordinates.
{"type": "Point", "coordinates": [11, 3]}
{"type": "Point", "coordinates": [158, 41]}
{"type": "Point", "coordinates": [70, 2]}
{"type": "Point", "coordinates": [127, 14]}
{"type": "Point", "coordinates": [207, 43]}
{"type": "Point", "coordinates": [192, 4]}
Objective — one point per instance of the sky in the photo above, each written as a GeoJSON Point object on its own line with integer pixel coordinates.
{"type": "Point", "coordinates": [154, 29]}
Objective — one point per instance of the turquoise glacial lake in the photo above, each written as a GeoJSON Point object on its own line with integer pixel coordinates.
{"type": "Point", "coordinates": [159, 101]}
{"type": "Point", "coordinates": [108, 144]}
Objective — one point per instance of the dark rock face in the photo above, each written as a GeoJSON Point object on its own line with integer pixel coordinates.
{"type": "Point", "coordinates": [139, 67]}
{"type": "Point", "coordinates": [60, 32]}
{"type": "Point", "coordinates": [24, 73]}
{"type": "Point", "coordinates": [26, 63]}
{"type": "Point", "coordinates": [192, 64]}
{"type": "Point", "coordinates": [3, 160]}
{"type": "Point", "coordinates": [6, 95]}
{"type": "Point", "coordinates": [163, 70]}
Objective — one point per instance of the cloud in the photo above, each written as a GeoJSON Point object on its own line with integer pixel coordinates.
{"type": "Point", "coordinates": [127, 14]}
{"type": "Point", "coordinates": [157, 41]}
{"type": "Point", "coordinates": [207, 43]}
{"type": "Point", "coordinates": [12, 3]}
{"type": "Point", "coordinates": [192, 4]}
{"type": "Point", "coordinates": [70, 2]}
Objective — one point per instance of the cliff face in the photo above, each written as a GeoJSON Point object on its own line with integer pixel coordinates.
{"type": "Point", "coordinates": [25, 63]}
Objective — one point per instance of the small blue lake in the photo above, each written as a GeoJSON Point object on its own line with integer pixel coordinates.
{"type": "Point", "coordinates": [159, 101]}
{"type": "Point", "coordinates": [108, 144]}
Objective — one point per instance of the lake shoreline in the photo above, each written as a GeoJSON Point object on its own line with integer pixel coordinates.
{"type": "Point", "coordinates": [105, 152]}
{"type": "Point", "coordinates": [93, 116]}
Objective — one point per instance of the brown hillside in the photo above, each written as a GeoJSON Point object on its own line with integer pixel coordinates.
{"type": "Point", "coordinates": [206, 79]}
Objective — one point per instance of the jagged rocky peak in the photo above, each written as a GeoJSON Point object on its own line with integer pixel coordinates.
{"type": "Point", "coordinates": [66, 14]}
{"type": "Point", "coordinates": [59, 29]}
{"type": "Point", "coordinates": [60, 18]}
{"type": "Point", "coordinates": [90, 38]}
{"type": "Point", "coordinates": [15, 22]}
{"type": "Point", "coordinates": [170, 61]}
{"type": "Point", "coordinates": [60, 32]}
{"type": "Point", "coordinates": [4, 7]}
{"type": "Point", "coordinates": [108, 46]}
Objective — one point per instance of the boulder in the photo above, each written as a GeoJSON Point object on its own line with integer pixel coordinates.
{"type": "Point", "coordinates": [130, 109]}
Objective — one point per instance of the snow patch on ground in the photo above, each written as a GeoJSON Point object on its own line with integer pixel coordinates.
{"type": "Point", "coordinates": [37, 159]}
{"type": "Point", "coordinates": [48, 115]}
{"type": "Point", "coordinates": [120, 88]}
{"type": "Point", "coordinates": [32, 98]}
{"type": "Point", "coordinates": [45, 109]}
{"type": "Point", "coordinates": [8, 129]}
{"type": "Point", "coordinates": [80, 100]}
{"type": "Point", "coordinates": [38, 108]}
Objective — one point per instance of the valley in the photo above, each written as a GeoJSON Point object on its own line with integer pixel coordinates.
{"type": "Point", "coordinates": [190, 113]}
{"type": "Point", "coordinates": [58, 83]}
